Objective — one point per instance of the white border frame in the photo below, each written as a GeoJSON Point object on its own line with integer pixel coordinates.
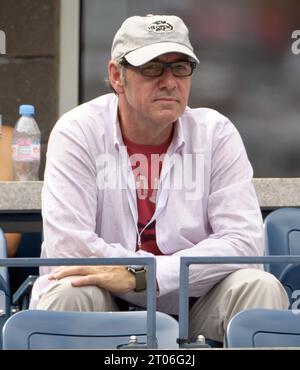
{"type": "Point", "coordinates": [68, 94]}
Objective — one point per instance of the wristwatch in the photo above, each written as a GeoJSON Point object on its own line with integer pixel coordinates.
{"type": "Point", "coordinates": [140, 277]}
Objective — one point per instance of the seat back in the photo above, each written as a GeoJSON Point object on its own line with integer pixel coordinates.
{"type": "Point", "coordinates": [290, 279]}
{"type": "Point", "coordinates": [264, 328]}
{"type": "Point", "coordinates": [4, 286]}
{"type": "Point", "coordinates": [282, 236]}
{"type": "Point", "coordinates": [38, 329]}
{"type": "Point", "coordinates": [4, 280]}
{"type": "Point", "coordinates": [29, 246]}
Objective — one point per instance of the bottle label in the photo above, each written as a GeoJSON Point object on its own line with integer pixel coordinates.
{"type": "Point", "coordinates": [24, 150]}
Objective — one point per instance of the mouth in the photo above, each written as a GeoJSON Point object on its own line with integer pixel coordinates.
{"type": "Point", "coordinates": [167, 99]}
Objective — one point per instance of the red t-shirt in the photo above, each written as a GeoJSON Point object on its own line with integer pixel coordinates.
{"type": "Point", "coordinates": [146, 162]}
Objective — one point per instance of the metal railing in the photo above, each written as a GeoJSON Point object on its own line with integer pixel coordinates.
{"type": "Point", "coordinates": [185, 262]}
{"type": "Point", "coordinates": [150, 262]}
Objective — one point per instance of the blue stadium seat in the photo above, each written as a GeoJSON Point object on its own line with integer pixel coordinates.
{"type": "Point", "coordinates": [282, 237]}
{"type": "Point", "coordinates": [4, 286]}
{"type": "Point", "coordinates": [255, 328]}
{"type": "Point", "coordinates": [38, 329]}
{"type": "Point", "coordinates": [16, 282]}
{"type": "Point", "coordinates": [4, 279]}
{"type": "Point", "coordinates": [290, 279]}
{"type": "Point", "coordinates": [30, 246]}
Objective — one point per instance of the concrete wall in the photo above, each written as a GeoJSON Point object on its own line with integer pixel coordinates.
{"type": "Point", "coordinates": [29, 71]}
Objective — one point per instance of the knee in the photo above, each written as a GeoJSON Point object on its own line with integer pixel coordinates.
{"type": "Point", "coordinates": [260, 279]}
{"type": "Point", "coordinates": [62, 296]}
{"type": "Point", "coordinates": [266, 289]}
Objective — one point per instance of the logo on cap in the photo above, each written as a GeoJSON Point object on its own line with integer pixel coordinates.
{"type": "Point", "coordinates": [160, 27]}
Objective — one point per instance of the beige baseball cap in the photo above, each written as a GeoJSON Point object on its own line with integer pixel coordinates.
{"type": "Point", "coordinates": [141, 39]}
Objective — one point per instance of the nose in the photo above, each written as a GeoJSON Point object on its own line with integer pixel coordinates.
{"type": "Point", "coordinates": [167, 80]}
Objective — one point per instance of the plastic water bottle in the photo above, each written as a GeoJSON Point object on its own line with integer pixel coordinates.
{"type": "Point", "coordinates": [26, 146]}
{"type": "Point", "coordinates": [0, 127]}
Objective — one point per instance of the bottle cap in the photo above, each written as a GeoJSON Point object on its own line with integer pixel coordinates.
{"type": "Point", "coordinates": [26, 110]}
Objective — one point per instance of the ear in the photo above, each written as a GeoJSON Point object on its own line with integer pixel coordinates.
{"type": "Point", "coordinates": [115, 79]}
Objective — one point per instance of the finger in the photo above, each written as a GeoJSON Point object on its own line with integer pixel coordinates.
{"type": "Point", "coordinates": [69, 271]}
{"type": "Point", "coordinates": [86, 280]}
{"type": "Point", "coordinates": [56, 269]}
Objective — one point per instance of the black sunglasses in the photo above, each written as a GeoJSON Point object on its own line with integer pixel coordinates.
{"type": "Point", "coordinates": [183, 68]}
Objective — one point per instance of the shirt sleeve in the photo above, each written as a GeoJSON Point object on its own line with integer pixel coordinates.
{"type": "Point", "coordinates": [69, 198]}
{"type": "Point", "coordinates": [234, 217]}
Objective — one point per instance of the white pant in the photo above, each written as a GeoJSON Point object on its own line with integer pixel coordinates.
{"type": "Point", "coordinates": [209, 316]}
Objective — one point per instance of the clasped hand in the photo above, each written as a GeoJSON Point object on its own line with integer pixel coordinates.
{"type": "Point", "coordinates": [116, 279]}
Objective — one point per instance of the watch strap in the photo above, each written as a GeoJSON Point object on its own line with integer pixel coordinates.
{"type": "Point", "coordinates": [140, 279]}
{"type": "Point", "coordinates": [139, 273]}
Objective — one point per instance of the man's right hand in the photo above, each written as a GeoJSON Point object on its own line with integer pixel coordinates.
{"type": "Point", "coordinates": [116, 279]}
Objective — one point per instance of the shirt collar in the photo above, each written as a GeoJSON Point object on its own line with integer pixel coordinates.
{"type": "Point", "coordinates": [178, 138]}
{"type": "Point", "coordinates": [118, 139]}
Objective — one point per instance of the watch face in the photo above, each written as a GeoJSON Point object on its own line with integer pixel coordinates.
{"type": "Point", "coordinates": [136, 267]}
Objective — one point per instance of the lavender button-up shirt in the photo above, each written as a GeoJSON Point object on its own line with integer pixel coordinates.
{"type": "Point", "coordinates": [205, 204]}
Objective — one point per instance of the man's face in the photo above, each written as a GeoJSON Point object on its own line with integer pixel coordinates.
{"type": "Point", "coordinates": [159, 100]}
